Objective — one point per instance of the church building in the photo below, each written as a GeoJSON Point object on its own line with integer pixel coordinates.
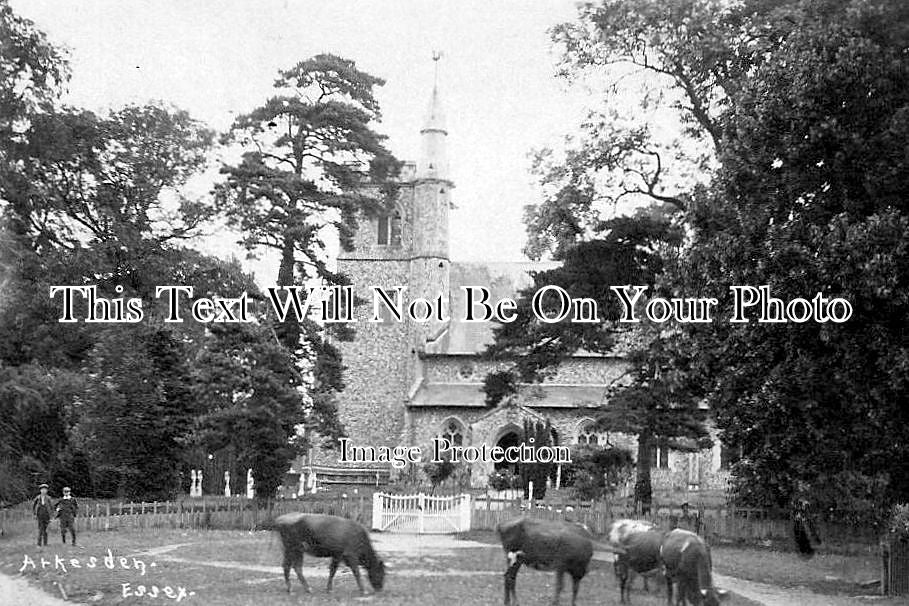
{"type": "Point", "coordinates": [407, 382]}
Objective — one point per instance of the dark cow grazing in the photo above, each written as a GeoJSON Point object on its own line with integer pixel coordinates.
{"type": "Point", "coordinates": [545, 545]}
{"type": "Point", "coordinates": [686, 559]}
{"type": "Point", "coordinates": [326, 536]}
{"type": "Point", "coordinates": [641, 543]}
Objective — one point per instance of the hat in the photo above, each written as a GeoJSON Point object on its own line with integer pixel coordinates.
{"type": "Point", "coordinates": [43, 486]}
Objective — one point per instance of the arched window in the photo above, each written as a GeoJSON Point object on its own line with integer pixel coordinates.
{"type": "Point", "coordinates": [389, 229]}
{"type": "Point", "coordinates": [659, 454]}
{"type": "Point", "coordinates": [590, 436]}
{"type": "Point", "coordinates": [453, 432]}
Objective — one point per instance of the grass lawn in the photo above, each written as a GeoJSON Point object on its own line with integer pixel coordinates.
{"type": "Point", "coordinates": [823, 573]}
{"type": "Point", "coordinates": [234, 568]}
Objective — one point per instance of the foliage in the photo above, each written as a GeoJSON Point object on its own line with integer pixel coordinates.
{"type": "Point", "coordinates": [499, 385]}
{"type": "Point", "coordinates": [595, 472]}
{"type": "Point", "coordinates": [788, 171]}
{"type": "Point", "coordinates": [899, 522]}
{"type": "Point", "coordinates": [503, 480]}
{"type": "Point", "coordinates": [251, 391]}
{"type": "Point", "coordinates": [439, 471]}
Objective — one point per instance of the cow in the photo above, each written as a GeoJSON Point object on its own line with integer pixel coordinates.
{"type": "Point", "coordinates": [326, 536]}
{"type": "Point", "coordinates": [640, 542]}
{"type": "Point", "coordinates": [686, 560]}
{"type": "Point", "coordinates": [546, 545]}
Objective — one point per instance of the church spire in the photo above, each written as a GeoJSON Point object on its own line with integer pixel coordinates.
{"type": "Point", "coordinates": [433, 162]}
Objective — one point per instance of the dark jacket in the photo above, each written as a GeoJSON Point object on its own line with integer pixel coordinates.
{"type": "Point", "coordinates": [43, 511]}
{"type": "Point", "coordinates": [66, 509]}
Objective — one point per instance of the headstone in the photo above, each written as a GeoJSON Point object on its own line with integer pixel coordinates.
{"type": "Point", "coordinates": [250, 484]}
{"type": "Point", "coordinates": [226, 483]}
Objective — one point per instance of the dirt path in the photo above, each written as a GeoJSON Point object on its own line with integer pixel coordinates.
{"type": "Point", "coordinates": [18, 591]}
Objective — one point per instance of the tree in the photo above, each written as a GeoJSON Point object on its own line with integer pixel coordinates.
{"type": "Point", "coordinates": [255, 401]}
{"type": "Point", "coordinates": [313, 162]}
{"type": "Point", "coordinates": [652, 398]}
{"type": "Point", "coordinates": [136, 415]}
{"type": "Point", "coordinates": [810, 200]}
{"type": "Point", "coordinates": [596, 471]}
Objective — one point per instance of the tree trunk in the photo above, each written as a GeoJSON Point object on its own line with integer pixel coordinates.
{"type": "Point", "coordinates": [643, 489]}
{"type": "Point", "coordinates": [288, 331]}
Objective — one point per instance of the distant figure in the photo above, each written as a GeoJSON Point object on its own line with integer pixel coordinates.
{"type": "Point", "coordinates": [42, 507]}
{"type": "Point", "coordinates": [66, 511]}
{"type": "Point", "coordinates": [803, 528]}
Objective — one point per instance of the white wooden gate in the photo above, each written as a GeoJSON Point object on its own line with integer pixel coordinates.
{"type": "Point", "coordinates": [420, 513]}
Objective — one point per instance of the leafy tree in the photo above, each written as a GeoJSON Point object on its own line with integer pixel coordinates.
{"type": "Point", "coordinates": [313, 162]}
{"type": "Point", "coordinates": [809, 200]}
{"type": "Point", "coordinates": [254, 397]}
{"type": "Point", "coordinates": [597, 471]}
{"type": "Point", "coordinates": [652, 398]}
{"type": "Point", "coordinates": [136, 415]}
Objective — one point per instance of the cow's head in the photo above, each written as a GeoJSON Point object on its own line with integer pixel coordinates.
{"type": "Point", "coordinates": [377, 574]}
{"type": "Point", "coordinates": [713, 596]}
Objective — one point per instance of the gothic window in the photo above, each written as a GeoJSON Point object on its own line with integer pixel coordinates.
{"type": "Point", "coordinates": [383, 231]}
{"type": "Point", "coordinates": [389, 229]}
{"type": "Point", "coordinates": [453, 433]}
{"type": "Point", "coordinates": [590, 436]}
{"type": "Point", "coordinates": [659, 455]}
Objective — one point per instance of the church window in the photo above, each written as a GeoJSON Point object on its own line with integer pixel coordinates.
{"type": "Point", "coordinates": [389, 229]}
{"type": "Point", "coordinates": [383, 231]}
{"type": "Point", "coordinates": [591, 437]}
{"type": "Point", "coordinates": [659, 455]}
{"type": "Point", "coordinates": [453, 433]}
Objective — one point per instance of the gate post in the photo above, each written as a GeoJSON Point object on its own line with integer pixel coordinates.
{"type": "Point", "coordinates": [377, 511]}
{"type": "Point", "coordinates": [466, 512]}
{"type": "Point", "coordinates": [422, 508]}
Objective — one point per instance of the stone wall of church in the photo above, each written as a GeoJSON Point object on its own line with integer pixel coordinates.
{"type": "Point", "coordinates": [685, 471]}
{"type": "Point", "coordinates": [379, 362]}
{"type": "Point", "coordinates": [472, 369]}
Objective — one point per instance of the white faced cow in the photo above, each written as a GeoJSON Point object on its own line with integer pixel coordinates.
{"type": "Point", "coordinates": [686, 559]}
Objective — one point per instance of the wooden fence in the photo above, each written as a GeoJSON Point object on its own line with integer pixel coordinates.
{"type": "Point", "coordinates": [895, 567]}
{"type": "Point", "coordinates": [236, 513]}
{"type": "Point", "coordinates": [716, 524]}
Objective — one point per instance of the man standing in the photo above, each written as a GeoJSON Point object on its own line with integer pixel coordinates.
{"type": "Point", "coordinates": [42, 507]}
{"type": "Point", "coordinates": [66, 511]}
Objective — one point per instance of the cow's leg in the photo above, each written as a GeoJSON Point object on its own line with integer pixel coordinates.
{"type": "Point", "coordinates": [298, 568]}
{"type": "Point", "coordinates": [332, 569]}
{"type": "Point", "coordinates": [559, 582]}
{"type": "Point", "coordinates": [669, 590]}
{"type": "Point", "coordinates": [352, 563]}
{"type": "Point", "coordinates": [511, 576]}
{"type": "Point", "coordinates": [575, 585]}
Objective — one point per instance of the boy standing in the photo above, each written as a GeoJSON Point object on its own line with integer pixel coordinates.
{"type": "Point", "coordinates": [42, 508]}
{"type": "Point", "coordinates": [66, 511]}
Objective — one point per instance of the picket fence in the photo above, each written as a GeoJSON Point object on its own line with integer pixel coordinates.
{"type": "Point", "coordinates": [420, 513]}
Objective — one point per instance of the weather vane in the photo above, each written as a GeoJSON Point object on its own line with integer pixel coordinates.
{"type": "Point", "coordinates": [436, 55]}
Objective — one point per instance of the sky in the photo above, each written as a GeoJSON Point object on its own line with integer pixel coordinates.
{"type": "Point", "coordinates": [218, 58]}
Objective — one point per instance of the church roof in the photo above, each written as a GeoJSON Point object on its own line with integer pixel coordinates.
{"type": "Point", "coordinates": [502, 279]}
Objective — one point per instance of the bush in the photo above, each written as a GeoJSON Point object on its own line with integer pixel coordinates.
{"type": "Point", "coordinates": [503, 480]}
{"type": "Point", "coordinates": [899, 522]}
{"type": "Point", "coordinates": [595, 472]}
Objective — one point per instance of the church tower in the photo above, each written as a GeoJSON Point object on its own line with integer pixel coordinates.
{"type": "Point", "coordinates": [430, 264]}
{"type": "Point", "coordinates": [406, 246]}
